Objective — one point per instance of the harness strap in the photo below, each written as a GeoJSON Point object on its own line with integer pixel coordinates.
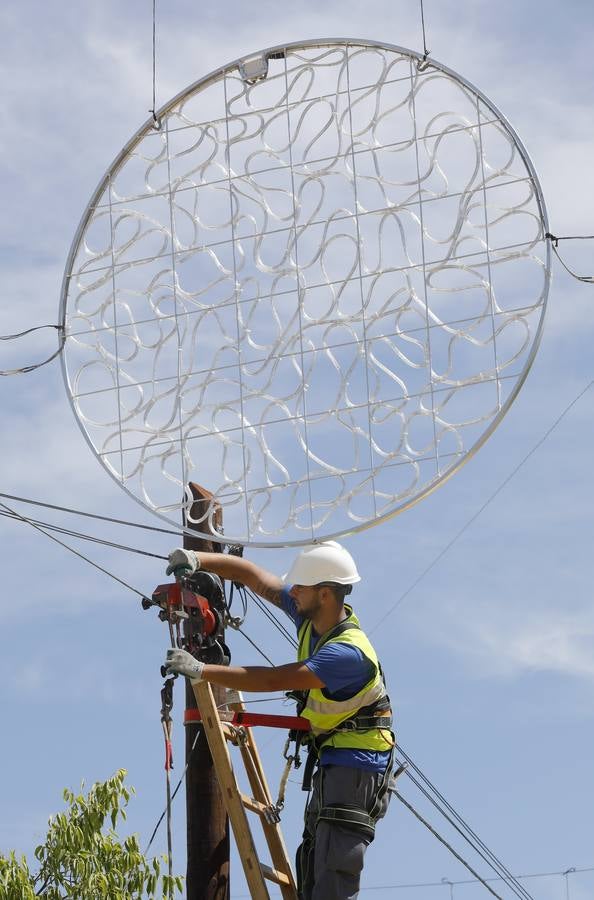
{"type": "Point", "coordinates": [338, 629]}
{"type": "Point", "coordinates": [360, 723]}
{"type": "Point", "coordinates": [310, 764]}
{"type": "Point", "coordinates": [386, 782]}
{"type": "Point", "coordinates": [354, 818]}
{"type": "Point", "coordinates": [357, 723]}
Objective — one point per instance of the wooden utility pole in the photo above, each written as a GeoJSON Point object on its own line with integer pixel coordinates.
{"type": "Point", "coordinates": [207, 873]}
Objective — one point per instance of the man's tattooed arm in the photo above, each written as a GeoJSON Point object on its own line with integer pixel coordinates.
{"type": "Point", "coordinates": [270, 592]}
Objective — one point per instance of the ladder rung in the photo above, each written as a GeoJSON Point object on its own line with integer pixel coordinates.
{"type": "Point", "coordinates": [238, 804]}
{"type": "Point", "coordinates": [254, 805]}
{"type": "Point", "coordinates": [274, 875]}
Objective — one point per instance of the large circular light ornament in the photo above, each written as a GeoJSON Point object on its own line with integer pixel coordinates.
{"type": "Point", "coordinates": [315, 290]}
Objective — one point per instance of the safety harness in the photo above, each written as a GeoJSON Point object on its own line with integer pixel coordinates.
{"type": "Point", "coordinates": [375, 715]}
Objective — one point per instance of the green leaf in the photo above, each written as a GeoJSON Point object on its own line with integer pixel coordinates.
{"type": "Point", "coordinates": [80, 860]}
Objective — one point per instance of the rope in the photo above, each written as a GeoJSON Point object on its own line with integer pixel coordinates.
{"type": "Point", "coordinates": [177, 787]}
{"type": "Point", "coordinates": [24, 369]}
{"type": "Point", "coordinates": [481, 509]}
{"type": "Point", "coordinates": [585, 279]}
{"type": "Point", "coordinates": [166, 722]}
{"type": "Point", "coordinates": [183, 774]}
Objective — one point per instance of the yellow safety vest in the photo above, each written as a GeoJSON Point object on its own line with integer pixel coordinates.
{"type": "Point", "coordinates": [326, 714]}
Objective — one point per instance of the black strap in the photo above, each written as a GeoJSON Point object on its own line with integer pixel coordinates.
{"type": "Point", "coordinates": [361, 723]}
{"type": "Point", "coordinates": [345, 625]}
{"type": "Point", "coordinates": [354, 817]}
{"type": "Point", "coordinates": [351, 817]}
{"type": "Point", "coordinates": [386, 781]}
{"type": "Point", "coordinates": [310, 765]}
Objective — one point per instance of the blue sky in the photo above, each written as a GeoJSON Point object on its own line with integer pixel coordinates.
{"type": "Point", "coordinates": [490, 658]}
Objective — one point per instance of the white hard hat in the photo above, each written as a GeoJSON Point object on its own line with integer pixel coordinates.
{"type": "Point", "coordinates": [326, 561]}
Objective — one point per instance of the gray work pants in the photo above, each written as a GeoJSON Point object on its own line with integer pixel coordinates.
{"type": "Point", "coordinates": [330, 859]}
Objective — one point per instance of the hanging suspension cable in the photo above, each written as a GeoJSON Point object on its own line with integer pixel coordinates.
{"type": "Point", "coordinates": [156, 122]}
{"type": "Point", "coordinates": [585, 279]}
{"type": "Point", "coordinates": [24, 369]}
{"type": "Point", "coordinates": [481, 509]}
{"type": "Point", "coordinates": [424, 62]}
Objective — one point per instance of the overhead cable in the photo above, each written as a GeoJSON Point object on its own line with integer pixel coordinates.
{"type": "Point", "coordinates": [427, 791]}
{"type": "Point", "coordinates": [24, 369]}
{"type": "Point", "coordinates": [272, 618]}
{"type": "Point", "coordinates": [481, 509]}
{"type": "Point", "coordinates": [419, 884]}
{"type": "Point", "coordinates": [71, 549]}
{"type": "Point", "coordinates": [156, 122]}
{"type": "Point", "coordinates": [458, 823]}
{"type": "Point", "coordinates": [585, 279]}
{"type": "Point", "coordinates": [255, 646]}
{"type": "Point", "coordinates": [423, 64]}
{"type": "Point", "coordinates": [454, 819]}
{"type": "Point", "coordinates": [89, 515]}
{"type": "Point", "coordinates": [459, 882]}
{"type": "Point", "coordinates": [449, 813]}
{"type": "Point", "coordinates": [445, 843]}
{"type": "Point", "coordinates": [81, 535]}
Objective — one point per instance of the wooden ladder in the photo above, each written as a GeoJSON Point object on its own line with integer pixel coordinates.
{"type": "Point", "coordinates": [218, 732]}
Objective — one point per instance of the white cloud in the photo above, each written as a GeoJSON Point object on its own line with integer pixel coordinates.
{"type": "Point", "coordinates": [498, 640]}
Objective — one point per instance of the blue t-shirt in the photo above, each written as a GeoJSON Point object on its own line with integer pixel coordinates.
{"type": "Point", "coordinates": [344, 671]}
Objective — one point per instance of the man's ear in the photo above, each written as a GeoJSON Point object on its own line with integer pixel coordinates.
{"type": "Point", "coordinates": [327, 592]}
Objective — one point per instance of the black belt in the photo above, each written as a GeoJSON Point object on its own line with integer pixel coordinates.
{"type": "Point", "coordinates": [355, 818]}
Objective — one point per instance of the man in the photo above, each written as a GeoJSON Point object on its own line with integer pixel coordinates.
{"type": "Point", "coordinates": [342, 693]}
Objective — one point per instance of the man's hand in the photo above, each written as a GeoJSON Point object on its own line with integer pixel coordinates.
{"type": "Point", "coordinates": [182, 562]}
{"type": "Point", "coordinates": [180, 662]}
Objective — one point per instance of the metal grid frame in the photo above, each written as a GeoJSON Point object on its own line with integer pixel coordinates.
{"type": "Point", "coordinates": [349, 45]}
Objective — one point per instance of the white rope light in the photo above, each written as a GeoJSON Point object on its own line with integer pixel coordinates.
{"type": "Point", "coordinates": [315, 290]}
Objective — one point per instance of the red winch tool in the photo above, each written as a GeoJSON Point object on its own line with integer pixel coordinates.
{"type": "Point", "coordinates": [198, 601]}
{"type": "Point", "coordinates": [175, 599]}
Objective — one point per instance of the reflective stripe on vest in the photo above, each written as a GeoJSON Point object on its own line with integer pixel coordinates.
{"type": "Point", "coordinates": [326, 714]}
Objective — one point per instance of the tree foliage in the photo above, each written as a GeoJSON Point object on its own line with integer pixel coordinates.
{"type": "Point", "coordinates": [83, 859]}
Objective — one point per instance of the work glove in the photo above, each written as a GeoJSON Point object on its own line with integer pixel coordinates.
{"type": "Point", "coordinates": [182, 562]}
{"type": "Point", "coordinates": [180, 662]}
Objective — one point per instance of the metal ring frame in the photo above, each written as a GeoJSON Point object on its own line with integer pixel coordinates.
{"type": "Point", "coordinates": [230, 395]}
